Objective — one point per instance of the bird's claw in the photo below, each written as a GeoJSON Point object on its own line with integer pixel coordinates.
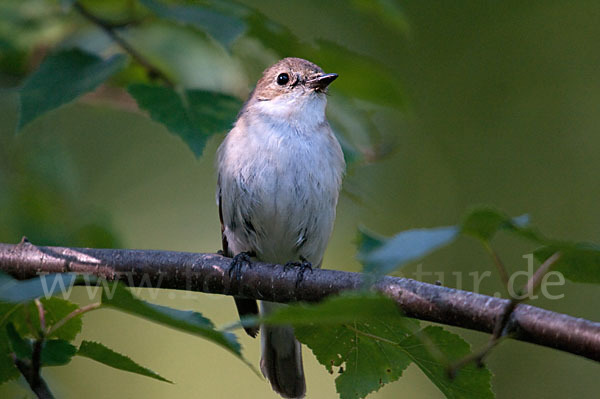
{"type": "Point", "coordinates": [235, 267]}
{"type": "Point", "coordinates": [302, 266]}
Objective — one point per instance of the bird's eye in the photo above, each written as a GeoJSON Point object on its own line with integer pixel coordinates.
{"type": "Point", "coordinates": [282, 79]}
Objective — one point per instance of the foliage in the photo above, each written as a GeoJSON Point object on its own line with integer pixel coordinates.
{"type": "Point", "coordinates": [21, 325]}
{"type": "Point", "coordinates": [193, 115]}
{"type": "Point", "coordinates": [360, 334]}
{"type": "Point", "coordinates": [580, 262]}
{"type": "Point", "coordinates": [370, 343]}
{"type": "Point", "coordinates": [61, 78]}
{"type": "Point", "coordinates": [102, 354]}
{"type": "Point", "coordinates": [191, 322]}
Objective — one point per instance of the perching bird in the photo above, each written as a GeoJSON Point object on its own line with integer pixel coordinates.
{"type": "Point", "coordinates": [280, 171]}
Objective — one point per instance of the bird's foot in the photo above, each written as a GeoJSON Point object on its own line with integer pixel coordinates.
{"type": "Point", "coordinates": [303, 265]}
{"type": "Point", "coordinates": [235, 267]}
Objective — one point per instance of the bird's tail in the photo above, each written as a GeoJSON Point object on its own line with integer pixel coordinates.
{"type": "Point", "coordinates": [281, 361]}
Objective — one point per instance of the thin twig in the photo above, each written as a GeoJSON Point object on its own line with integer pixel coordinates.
{"type": "Point", "coordinates": [110, 29]}
{"type": "Point", "coordinates": [75, 313]}
{"type": "Point", "coordinates": [36, 361]}
{"type": "Point", "coordinates": [501, 329]}
{"type": "Point", "coordinates": [498, 262]}
{"type": "Point", "coordinates": [534, 281]}
{"type": "Point", "coordinates": [476, 357]}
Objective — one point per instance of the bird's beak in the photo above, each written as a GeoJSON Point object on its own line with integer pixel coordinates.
{"type": "Point", "coordinates": [321, 82]}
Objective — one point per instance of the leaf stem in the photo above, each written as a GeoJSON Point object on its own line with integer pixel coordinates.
{"type": "Point", "coordinates": [498, 262]}
{"type": "Point", "coordinates": [372, 336]}
{"type": "Point", "coordinates": [73, 314]}
{"type": "Point", "coordinates": [42, 316]}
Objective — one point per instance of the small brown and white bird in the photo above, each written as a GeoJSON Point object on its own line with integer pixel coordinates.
{"type": "Point", "coordinates": [280, 172]}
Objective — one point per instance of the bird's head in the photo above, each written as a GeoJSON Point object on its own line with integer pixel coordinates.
{"type": "Point", "coordinates": [293, 87]}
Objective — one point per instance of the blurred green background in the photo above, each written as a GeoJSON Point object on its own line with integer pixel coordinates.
{"type": "Point", "coordinates": [501, 106]}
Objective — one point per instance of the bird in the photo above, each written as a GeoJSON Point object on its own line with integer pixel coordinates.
{"type": "Point", "coordinates": [280, 171]}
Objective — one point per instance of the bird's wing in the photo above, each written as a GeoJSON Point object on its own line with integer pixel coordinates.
{"type": "Point", "coordinates": [245, 307]}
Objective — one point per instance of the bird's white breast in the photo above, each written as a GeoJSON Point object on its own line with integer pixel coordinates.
{"type": "Point", "coordinates": [279, 180]}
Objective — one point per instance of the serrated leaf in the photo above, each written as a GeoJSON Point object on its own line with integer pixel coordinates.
{"type": "Point", "coordinates": [485, 222]}
{"type": "Point", "coordinates": [381, 255]}
{"type": "Point", "coordinates": [188, 321]}
{"type": "Point", "coordinates": [193, 115]}
{"type": "Point", "coordinates": [578, 262]}
{"type": "Point", "coordinates": [338, 331]}
{"type": "Point", "coordinates": [225, 28]}
{"type": "Point", "coordinates": [365, 335]}
{"type": "Point", "coordinates": [471, 381]}
{"type": "Point", "coordinates": [57, 352]}
{"type": "Point", "coordinates": [12, 290]}
{"type": "Point", "coordinates": [100, 353]}
{"type": "Point", "coordinates": [61, 78]}
{"type": "Point", "coordinates": [367, 363]}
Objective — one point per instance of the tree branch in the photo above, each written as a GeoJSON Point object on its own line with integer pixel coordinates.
{"type": "Point", "coordinates": [207, 273]}
{"type": "Point", "coordinates": [37, 384]}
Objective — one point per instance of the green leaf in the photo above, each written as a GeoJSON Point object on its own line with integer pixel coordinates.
{"type": "Point", "coordinates": [12, 290]}
{"type": "Point", "coordinates": [346, 307]}
{"type": "Point", "coordinates": [100, 353]}
{"type": "Point", "coordinates": [333, 330]}
{"type": "Point", "coordinates": [471, 381]}
{"type": "Point", "coordinates": [19, 345]}
{"type": "Point", "coordinates": [188, 321]}
{"type": "Point", "coordinates": [55, 309]}
{"type": "Point", "coordinates": [225, 28]}
{"type": "Point", "coordinates": [485, 222]}
{"type": "Point", "coordinates": [193, 115]}
{"type": "Point", "coordinates": [61, 78]}
{"type": "Point", "coordinates": [8, 371]}
{"type": "Point", "coordinates": [367, 363]}
{"type": "Point", "coordinates": [578, 262]}
{"type": "Point", "coordinates": [7, 311]}
{"type": "Point", "coordinates": [381, 255]}
{"type": "Point", "coordinates": [57, 352]}
{"type": "Point", "coordinates": [365, 336]}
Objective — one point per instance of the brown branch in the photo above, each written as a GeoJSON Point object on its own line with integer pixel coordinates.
{"type": "Point", "coordinates": [110, 29]}
{"type": "Point", "coordinates": [207, 273]}
{"type": "Point", "coordinates": [37, 385]}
